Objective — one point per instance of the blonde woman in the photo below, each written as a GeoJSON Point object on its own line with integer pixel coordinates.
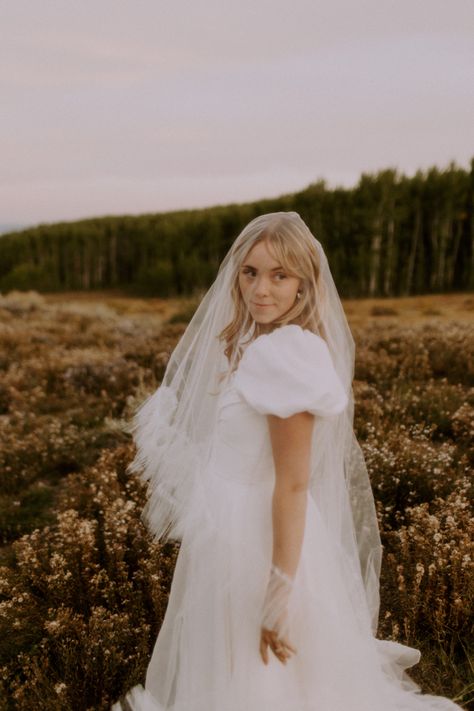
{"type": "Point", "coordinates": [252, 463]}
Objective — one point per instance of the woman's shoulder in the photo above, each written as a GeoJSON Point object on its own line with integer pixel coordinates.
{"type": "Point", "coordinates": [289, 370]}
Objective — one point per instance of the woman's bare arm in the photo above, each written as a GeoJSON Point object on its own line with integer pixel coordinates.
{"type": "Point", "coordinates": [291, 446]}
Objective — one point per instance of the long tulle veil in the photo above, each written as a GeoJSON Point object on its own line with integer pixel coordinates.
{"type": "Point", "coordinates": [173, 432]}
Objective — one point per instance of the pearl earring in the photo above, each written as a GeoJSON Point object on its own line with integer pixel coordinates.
{"type": "Point", "coordinates": [298, 294]}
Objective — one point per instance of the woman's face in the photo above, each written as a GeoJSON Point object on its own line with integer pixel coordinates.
{"type": "Point", "coordinates": [267, 289]}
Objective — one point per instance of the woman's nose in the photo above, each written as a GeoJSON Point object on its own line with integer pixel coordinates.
{"type": "Point", "coordinates": [261, 287]}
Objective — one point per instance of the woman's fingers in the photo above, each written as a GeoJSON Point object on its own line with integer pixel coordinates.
{"type": "Point", "coordinates": [280, 647]}
{"type": "Point", "coordinates": [288, 645]}
{"type": "Point", "coordinates": [281, 643]}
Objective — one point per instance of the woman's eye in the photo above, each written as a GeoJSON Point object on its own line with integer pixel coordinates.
{"type": "Point", "coordinates": [280, 275]}
{"type": "Point", "coordinates": [249, 272]}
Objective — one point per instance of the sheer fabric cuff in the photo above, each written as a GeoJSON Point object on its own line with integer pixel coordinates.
{"type": "Point", "coordinates": [275, 606]}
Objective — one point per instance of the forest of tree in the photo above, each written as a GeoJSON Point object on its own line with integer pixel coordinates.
{"type": "Point", "coordinates": [390, 235]}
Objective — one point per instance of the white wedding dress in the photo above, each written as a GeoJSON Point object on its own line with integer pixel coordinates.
{"type": "Point", "coordinates": [206, 657]}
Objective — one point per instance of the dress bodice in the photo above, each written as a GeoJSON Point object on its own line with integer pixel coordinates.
{"type": "Point", "coordinates": [241, 446]}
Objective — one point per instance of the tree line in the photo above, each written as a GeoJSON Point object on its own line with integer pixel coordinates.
{"type": "Point", "coordinates": [390, 235]}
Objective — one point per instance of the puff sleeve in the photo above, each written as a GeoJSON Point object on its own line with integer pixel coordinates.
{"type": "Point", "coordinates": [287, 371]}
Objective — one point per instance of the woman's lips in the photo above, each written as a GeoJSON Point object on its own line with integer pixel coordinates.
{"type": "Point", "coordinates": [261, 306]}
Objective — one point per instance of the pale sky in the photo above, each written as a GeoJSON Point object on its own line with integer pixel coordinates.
{"type": "Point", "coordinates": [114, 106]}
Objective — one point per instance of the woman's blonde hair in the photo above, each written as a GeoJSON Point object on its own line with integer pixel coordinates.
{"type": "Point", "coordinates": [296, 250]}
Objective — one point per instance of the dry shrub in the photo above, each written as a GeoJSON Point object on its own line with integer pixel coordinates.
{"type": "Point", "coordinates": [392, 353]}
{"type": "Point", "coordinates": [369, 407]}
{"type": "Point", "coordinates": [428, 585]}
{"type": "Point", "coordinates": [49, 383]}
{"type": "Point", "coordinates": [375, 365]}
{"type": "Point", "coordinates": [380, 310]}
{"type": "Point", "coordinates": [431, 312]}
{"type": "Point", "coordinates": [433, 402]}
{"type": "Point", "coordinates": [407, 468]}
{"type": "Point", "coordinates": [85, 596]}
{"type": "Point", "coordinates": [18, 302]}
{"type": "Point", "coordinates": [57, 399]}
{"type": "Point", "coordinates": [33, 447]}
{"type": "Point", "coordinates": [416, 353]}
{"type": "Point", "coordinates": [463, 429]}
{"type": "Point", "coordinates": [36, 452]}
{"type": "Point", "coordinates": [451, 352]}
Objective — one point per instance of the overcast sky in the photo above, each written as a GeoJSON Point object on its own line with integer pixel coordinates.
{"type": "Point", "coordinates": [113, 106]}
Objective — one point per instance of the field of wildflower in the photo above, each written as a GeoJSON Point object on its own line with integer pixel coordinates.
{"type": "Point", "coordinates": [83, 589]}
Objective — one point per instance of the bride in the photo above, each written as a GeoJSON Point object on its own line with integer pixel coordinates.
{"type": "Point", "coordinates": [252, 463]}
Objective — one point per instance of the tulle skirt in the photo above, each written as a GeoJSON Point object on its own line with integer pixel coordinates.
{"type": "Point", "coordinates": [207, 658]}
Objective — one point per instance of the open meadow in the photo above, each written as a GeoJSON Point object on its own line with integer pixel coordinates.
{"type": "Point", "coordinates": [82, 587]}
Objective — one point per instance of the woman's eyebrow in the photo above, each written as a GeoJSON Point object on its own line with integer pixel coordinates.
{"type": "Point", "coordinates": [272, 270]}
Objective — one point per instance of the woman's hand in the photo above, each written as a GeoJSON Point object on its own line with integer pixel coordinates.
{"type": "Point", "coordinates": [280, 646]}
{"type": "Point", "coordinates": [274, 626]}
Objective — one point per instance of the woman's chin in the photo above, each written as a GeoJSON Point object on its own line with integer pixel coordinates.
{"type": "Point", "coordinates": [264, 315]}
